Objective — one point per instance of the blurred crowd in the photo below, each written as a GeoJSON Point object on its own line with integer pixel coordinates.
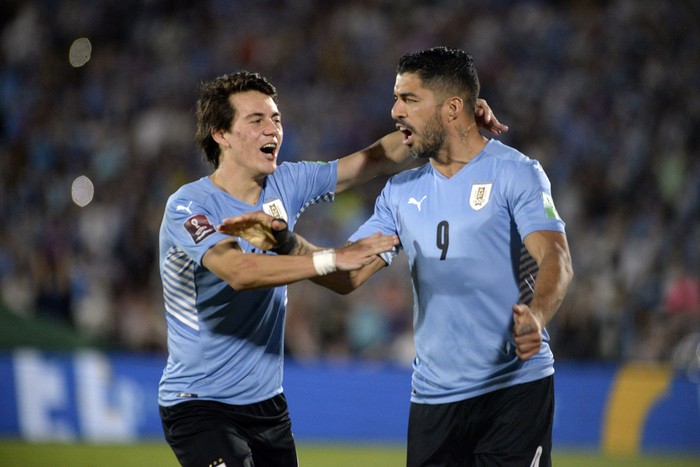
{"type": "Point", "coordinates": [606, 95]}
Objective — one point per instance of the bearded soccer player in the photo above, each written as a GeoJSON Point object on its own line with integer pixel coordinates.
{"type": "Point", "coordinates": [490, 265]}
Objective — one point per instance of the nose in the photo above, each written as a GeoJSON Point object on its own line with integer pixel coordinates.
{"type": "Point", "coordinates": [273, 127]}
{"type": "Point", "coordinates": [397, 110]}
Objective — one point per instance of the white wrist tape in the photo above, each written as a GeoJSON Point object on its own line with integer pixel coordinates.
{"type": "Point", "coordinates": [324, 262]}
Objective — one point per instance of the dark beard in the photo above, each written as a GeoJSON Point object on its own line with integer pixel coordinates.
{"type": "Point", "coordinates": [434, 140]}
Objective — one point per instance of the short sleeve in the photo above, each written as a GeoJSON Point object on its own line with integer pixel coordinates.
{"type": "Point", "coordinates": [382, 220]}
{"type": "Point", "coordinates": [191, 227]}
{"type": "Point", "coordinates": [530, 198]}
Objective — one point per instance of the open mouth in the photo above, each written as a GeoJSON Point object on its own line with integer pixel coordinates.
{"type": "Point", "coordinates": [407, 135]}
{"type": "Point", "coordinates": [269, 148]}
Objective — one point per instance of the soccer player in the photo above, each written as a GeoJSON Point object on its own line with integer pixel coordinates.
{"type": "Point", "coordinates": [490, 265]}
{"type": "Point", "coordinates": [220, 396]}
{"type": "Point", "coordinates": [471, 221]}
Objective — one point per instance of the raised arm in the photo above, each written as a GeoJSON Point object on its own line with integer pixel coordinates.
{"type": "Point", "coordinates": [388, 155]}
{"type": "Point", "coordinates": [551, 252]}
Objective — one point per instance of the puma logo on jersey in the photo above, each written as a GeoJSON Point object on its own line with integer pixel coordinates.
{"type": "Point", "coordinates": [413, 200]}
{"type": "Point", "coordinates": [182, 207]}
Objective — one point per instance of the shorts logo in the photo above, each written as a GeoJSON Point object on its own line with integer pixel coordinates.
{"type": "Point", "coordinates": [480, 195]}
{"type": "Point", "coordinates": [536, 460]}
{"type": "Point", "coordinates": [199, 227]}
{"type": "Point", "coordinates": [275, 208]}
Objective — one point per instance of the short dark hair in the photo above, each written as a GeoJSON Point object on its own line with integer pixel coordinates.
{"type": "Point", "coordinates": [445, 71]}
{"type": "Point", "coordinates": [214, 110]}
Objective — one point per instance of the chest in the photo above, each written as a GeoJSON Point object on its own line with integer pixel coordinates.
{"type": "Point", "coordinates": [440, 217]}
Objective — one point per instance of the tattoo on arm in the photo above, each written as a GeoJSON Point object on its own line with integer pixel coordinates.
{"type": "Point", "coordinates": [302, 247]}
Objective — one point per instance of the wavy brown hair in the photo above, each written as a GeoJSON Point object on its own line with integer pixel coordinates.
{"type": "Point", "coordinates": [214, 110]}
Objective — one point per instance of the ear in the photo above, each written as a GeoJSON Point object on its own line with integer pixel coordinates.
{"type": "Point", "coordinates": [455, 105]}
{"type": "Point", "coordinates": [220, 137]}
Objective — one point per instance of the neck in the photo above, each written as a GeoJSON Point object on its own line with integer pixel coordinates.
{"type": "Point", "coordinates": [243, 188]}
{"type": "Point", "coordinates": [462, 145]}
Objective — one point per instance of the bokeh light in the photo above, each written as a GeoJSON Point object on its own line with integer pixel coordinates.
{"type": "Point", "coordinates": [82, 191]}
{"type": "Point", "coordinates": [80, 51]}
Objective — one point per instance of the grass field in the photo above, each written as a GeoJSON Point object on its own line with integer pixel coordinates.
{"type": "Point", "coordinates": [18, 454]}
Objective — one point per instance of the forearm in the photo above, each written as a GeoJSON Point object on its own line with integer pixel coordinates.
{"type": "Point", "coordinates": [389, 155]}
{"type": "Point", "coordinates": [390, 152]}
{"type": "Point", "coordinates": [303, 246]}
{"type": "Point", "coordinates": [253, 271]}
{"type": "Point", "coordinates": [295, 256]}
{"type": "Point", "coordinates": [344, 282]}
{"type": "Point", "coordinates": [553, 279]}
{"type": "Point", "coordinates": [385, 156]}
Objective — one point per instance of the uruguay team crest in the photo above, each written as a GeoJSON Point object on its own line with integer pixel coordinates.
{"type": "Point", "coordinates": [275, 208]}
{"type": "Point", "coordinates": [480, 195]}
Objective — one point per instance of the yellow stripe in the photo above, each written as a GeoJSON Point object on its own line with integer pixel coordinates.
{"type": "Point", "coordinates": [637, 388]}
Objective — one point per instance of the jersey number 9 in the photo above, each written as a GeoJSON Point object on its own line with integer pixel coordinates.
{"type": "Point", "coordinates": [443, 238]}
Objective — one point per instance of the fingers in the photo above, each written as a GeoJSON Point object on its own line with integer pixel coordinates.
{"type": "Point", "coordinates": [279, 224]}
{"type": "Point", "coordinates": [375, 244]}
{"type": "Point", "coordinates": [254, 227]}
{"type": "Point", "coordinates": [364, 251]}
{"type": "Point", "coordinates": [526, 350]}
{"type": "Point", "coordinates": [527, 343]}
{"type": "Point", "coordinates": [527, 332]}
{"type": "Point", "coordinates": [487, 120]}
{"type": "Point", "coordinates": [255, 216]}
{"type": "Point", "coordinates": [256, 221]}
{"type": "Point", "coordinates": [522, 321]}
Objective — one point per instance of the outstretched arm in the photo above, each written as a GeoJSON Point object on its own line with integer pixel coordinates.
{"type": "Point", "coordinates": [354, 264]}
{"type": "Point", "coordinates": [388, 155]}
{"type": "Point", "coordinates": [344, 282]}
{"type": "Point", "coordinates": [551, 252]}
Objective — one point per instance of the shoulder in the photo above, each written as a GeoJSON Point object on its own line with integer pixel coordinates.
{"type": "Point", "coordinates": [506, 155]}
{"type": "Point", "coordinates": [196, 191]}
{"type": "Point", "coordinates": [301, 167]}
{"type": "Point", "coordinates": [511, 162]}
{"type": "Point", "coordinates": [191, 199]}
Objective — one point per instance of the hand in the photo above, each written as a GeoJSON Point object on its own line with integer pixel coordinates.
{"type": "Point", "coordinates": [364, 251]}
{"type": "Point", "coordinates": [254, 227]}
{"type": "Point", "coordinates": [486, 119]}
{"type": "Point", "coordinates": [527, 332]}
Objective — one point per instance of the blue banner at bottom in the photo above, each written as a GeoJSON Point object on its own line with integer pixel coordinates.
{"type": "Point", "coordinates": [103, 397]}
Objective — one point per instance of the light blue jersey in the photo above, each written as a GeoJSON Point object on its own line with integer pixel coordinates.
{"type": "Point", "coordinates": [225, 345]}
{"type": "Point", "coordinates": [463, 237]}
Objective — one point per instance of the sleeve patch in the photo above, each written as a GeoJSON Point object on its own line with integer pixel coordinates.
{"type": "Point", "coordinates": [199, 227]}
{"type": "Point", "coordinates": [549, 208]}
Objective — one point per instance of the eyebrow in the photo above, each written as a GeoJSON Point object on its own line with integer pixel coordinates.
{"type": "Point", "coordinates": [261, 115]}
{"type": "Point", "coordinates": [406, 94]}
